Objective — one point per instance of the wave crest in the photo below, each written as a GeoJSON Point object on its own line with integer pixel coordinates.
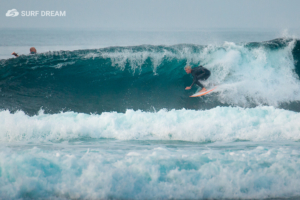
{"type": "Point", "coordinates": [218, 124]}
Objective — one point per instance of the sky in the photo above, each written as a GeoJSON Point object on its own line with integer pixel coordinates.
{"type": "Point", "coordinates": [154, 14]}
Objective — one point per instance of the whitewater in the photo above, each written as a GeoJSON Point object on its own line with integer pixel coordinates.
{"type": "Point", "coordinates": [115, 122]}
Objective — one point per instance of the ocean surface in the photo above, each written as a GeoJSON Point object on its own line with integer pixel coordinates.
{"type": "Point", "coordinates": [102, 114]}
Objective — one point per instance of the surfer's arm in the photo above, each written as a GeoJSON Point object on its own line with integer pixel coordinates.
{"type": "Point", "coordinates": [196, 73]}
{"type": "Point", "coordinates": [194, 81]}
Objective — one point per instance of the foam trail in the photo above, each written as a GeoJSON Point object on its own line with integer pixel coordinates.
{"type": "Point", "coordinates": [218, 124]}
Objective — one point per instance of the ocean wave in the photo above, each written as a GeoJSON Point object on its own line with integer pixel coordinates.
{"type": "Point", "coordinates": [142, 77]}
{"type": "Point", "coordinates": [217, 124]}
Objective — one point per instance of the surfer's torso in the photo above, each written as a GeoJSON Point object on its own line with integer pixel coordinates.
{"type": "Point", "coordinates": [199, 73]}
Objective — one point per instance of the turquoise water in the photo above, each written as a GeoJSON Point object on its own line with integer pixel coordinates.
{"type": "Point", "coordinates": [97, 115]}
{"type": "Point", "coordinates": [148, 169]}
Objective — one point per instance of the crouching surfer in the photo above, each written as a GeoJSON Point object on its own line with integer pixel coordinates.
{"type": "Point", "coordinates": [199, 74]}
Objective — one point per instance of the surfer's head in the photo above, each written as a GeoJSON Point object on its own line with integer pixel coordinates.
{"type": "Point", "coordinates": [32, 50]}
{"type": "Point", "coordinates": [188, 69]}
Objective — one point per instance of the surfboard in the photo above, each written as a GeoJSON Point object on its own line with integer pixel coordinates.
{"type": "Point", "coordinates": [199, 94]}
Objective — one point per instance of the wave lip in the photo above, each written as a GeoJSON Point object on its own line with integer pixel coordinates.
{"type": "Point", "coordinates": [217, 124]}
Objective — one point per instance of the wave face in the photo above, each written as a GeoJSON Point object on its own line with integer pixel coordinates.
{"type": "Point", "coordinates": [152, 77]}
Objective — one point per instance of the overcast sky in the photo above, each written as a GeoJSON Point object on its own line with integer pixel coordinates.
{"type": "Point", "coordinates": [155, 14]}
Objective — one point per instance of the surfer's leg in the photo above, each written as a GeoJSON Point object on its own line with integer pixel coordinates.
{"type": "Point", "coordinates": [199, 84]}
{"type": "Point", "coordinates": [203, 77]}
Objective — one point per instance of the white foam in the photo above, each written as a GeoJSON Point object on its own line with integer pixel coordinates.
{"type": "Point", "coordinates": [136, 59]}
{"type": "Point", "coordinates": [253, 173]}
{"type": "Point", "coordinates": [218, 124]}
{"type": "Point", "coordinates": [245, 75]}
{"type": "Point", "coordinates": [257, 76]}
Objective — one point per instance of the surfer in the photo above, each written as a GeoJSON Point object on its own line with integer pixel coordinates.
{"type": "Point", "coordinates": [32, 51]}
{"type": "Point", "coordinates": [198, 73]}
{"type": "Point", "coordinates": [15, 54]}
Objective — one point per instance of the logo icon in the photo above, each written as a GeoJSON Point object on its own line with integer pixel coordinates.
{"type": "Point", "coordinates": [12, 13]}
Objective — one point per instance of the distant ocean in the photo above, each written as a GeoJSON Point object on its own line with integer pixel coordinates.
{"type": "Point", "coordinates": [105, 115]}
